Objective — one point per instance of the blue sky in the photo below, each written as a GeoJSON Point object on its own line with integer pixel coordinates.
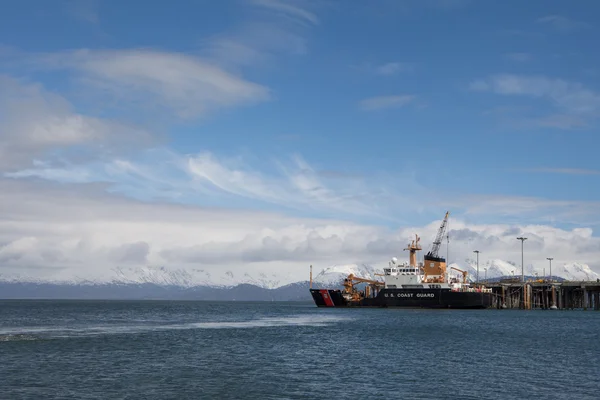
{"type": "Point", "coordinates": [384, 113]}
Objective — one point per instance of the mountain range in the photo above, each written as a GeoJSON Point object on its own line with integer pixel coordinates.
{"type": "Point", "coordinates": [167, 283]}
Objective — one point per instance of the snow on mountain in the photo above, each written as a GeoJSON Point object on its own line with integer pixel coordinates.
{"type": "Point", "coordinates": [495, 269]}
{"type": "Point", "coordinates": [335, 274]}
{"type": "Point", "coordinates": [163, 276]}
{"type": "Point", "coordinates": [329, 276]}
{"type": "Point", "coordinates": [199, 277]}
{"type": "Point", "coordinates": [500, 268]}
{"type": "Point", "coordinates": [575, 272]}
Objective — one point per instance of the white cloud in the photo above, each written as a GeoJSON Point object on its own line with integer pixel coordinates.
{"type": "Point", "coordinates": [384, 102]}
{"type": "Point", "coordinates": [563, 24]}
{"type": "Point", "coordinates": [59, 232]}
{"type": "Point", "coordinates": [288, 9]}
{"type": "Point", "coordinates": [571, 98]}
{"type": "Point", "coordinates": [532, 209]}
{"type": "Point", "coordinates": [519, 57]}
{"type": "Point", "coordinates": [290, 184]}
{"type": "Point", "coordinates": [393, 68]}
{"type": "Point", "coordinates": [271, 28]}
{"type": "Point", "coordinates": [44, 225]}
{"type": "Point", "coordinates": [294, 185]}
{"type": "Point", "coordinates": [180, 83]}
{"type": "Point", "coordinates": [35, 121]}
{"type": "Point", "coordinates": [568, 171]}
{"type": "Point", "coordinates": [83, 10]}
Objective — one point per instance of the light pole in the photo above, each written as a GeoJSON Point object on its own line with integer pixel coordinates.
{"type": "Point", "coordinates": [477, 252]}
{"type": "Point", "coordinates": [550, 259]}
{"type": "Point", "coordinates": [522, 239]}
{"type": "Point", "coordinates": [485, 269]}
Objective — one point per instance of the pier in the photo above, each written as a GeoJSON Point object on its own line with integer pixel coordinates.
{"type": "Point", "coordinates": [545, 294]}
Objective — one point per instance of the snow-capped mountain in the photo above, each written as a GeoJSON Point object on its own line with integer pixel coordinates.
{"type": "Point", "coordinates": [162, 276]}
{"type": "Point", "coordinates": [335, 274]}
{"type": "Point", "coordinates": [500, 268]}
{"type": "Point", "coordinates": [198, 277]}
{"type": "Point", "coordinates": [575, 272]}
{"type": "Point", "coordinates": [329, 276]}
{"type": "Point", "coordinates": [495, 269]}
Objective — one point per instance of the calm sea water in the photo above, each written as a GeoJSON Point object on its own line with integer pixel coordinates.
{"type": "Point", "coordinates": [221, 350]}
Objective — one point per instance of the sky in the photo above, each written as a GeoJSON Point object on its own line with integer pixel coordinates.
{"type": "Point", "coordinates": [271, 134]}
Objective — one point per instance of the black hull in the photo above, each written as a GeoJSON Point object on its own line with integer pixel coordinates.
{"type": "Point", "coordinates": [407, 298]}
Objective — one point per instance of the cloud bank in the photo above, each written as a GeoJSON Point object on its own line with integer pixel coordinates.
{"type": "Point", "coordinates": [56, 232]}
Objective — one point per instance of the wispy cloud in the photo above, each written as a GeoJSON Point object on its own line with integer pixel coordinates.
{"type": "Point", "coordinates": [519, 209]}
{"type": "Point", "coordinates": [559, 121]}
{"type": "Point", "coordinates": [519, 57]}
{"type": "Point", "coordinates": [295, 186]}
{"type": "Point", "coordinates": [443, 5]}
{"type": "Point", "coordinates": [446, 4]}
{"type": "Point", "coordinates": [83, 10]}
{"type": "Point", "coordinates": [563, 24]}
{"type": "Point", "coordinates": [35, 122]}
{"type": "Point", "coordinates": [390, 68]}
{"type": "Point", "coordinates": [184, 85]}
{"type": "Point", "coordinates": [567, 171]}
{"type": "Point", "coordinates": [270, 29]}
{"type": "Point", "coordinates": [288, 9]}
{"type": "Point", "coordinates": [572, 99]}
{"type": "Point", "coordinates": [393, 68]}
{"type": "Point", "coordinates": [384, 102]}
{"type": "Point", "coordinates": [521, 33]}
{"type": "Point", "coordinates": [290, 184]}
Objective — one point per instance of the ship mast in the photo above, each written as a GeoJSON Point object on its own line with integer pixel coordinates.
{"type": "Point", "coordinates": [413, 247]}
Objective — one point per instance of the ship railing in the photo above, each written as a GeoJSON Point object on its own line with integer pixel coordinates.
{"type": "Point", "coordinates": [475, 290]}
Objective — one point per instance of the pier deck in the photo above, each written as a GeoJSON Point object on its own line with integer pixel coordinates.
{"type": "Point", "coordinates": [566, 295]}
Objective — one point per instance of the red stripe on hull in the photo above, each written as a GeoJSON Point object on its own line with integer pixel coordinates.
{"type": "Point", "coordinates": [327, 298]}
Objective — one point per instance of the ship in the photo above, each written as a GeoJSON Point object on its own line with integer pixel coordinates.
{"type": "Point", "coordinates": [425, 284]}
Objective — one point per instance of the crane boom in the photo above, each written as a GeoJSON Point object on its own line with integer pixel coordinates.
{"type": "Point", "coordinates": [464, 273]}
{"type": "Point", "coordinates": [351, 278]}
{"type": "Point", "coordinates": [435, 248]}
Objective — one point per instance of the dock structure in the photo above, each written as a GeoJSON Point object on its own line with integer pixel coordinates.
{"type": "Point", "coordinates": [546, 294]}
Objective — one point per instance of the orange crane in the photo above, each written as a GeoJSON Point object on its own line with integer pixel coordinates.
{"type": "Point", "coordinates": [434, 266]}
{"type": "Point", "coordinates": [352, 293]}
{"type": "Point", "coordinates": [464, 273]}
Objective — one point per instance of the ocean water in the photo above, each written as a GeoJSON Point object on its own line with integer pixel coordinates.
{"type": "Point", "coordinates": [237, 350]}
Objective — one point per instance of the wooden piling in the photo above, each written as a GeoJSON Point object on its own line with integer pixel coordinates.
{"type": "Point", "coordinates": [546, 295]}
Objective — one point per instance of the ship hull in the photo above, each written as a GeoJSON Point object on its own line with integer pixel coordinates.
{"type": "Point", "coordinates": [407, 298]}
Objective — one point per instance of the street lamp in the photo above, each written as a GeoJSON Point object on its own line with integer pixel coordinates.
{"type": "Point", "coordinates": [550, 259]}
{"type": "Point", "coordinates": [477, 252]}
{"type": "Point", "coordinates": [522, 239]}
{"type": "Point", "coordinates": [485, 269]}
